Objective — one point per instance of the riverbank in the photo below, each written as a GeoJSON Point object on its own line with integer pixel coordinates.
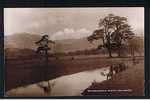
{"type": "Point", "coordinates": [127, 83]}
{"type": "Point", "coordinates": [22, 72]}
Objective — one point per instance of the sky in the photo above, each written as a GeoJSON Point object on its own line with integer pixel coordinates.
{"type": "Point", "coordinates": [67, 23]}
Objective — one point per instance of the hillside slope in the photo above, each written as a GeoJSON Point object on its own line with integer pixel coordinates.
{"type": "Point", "coordinates": [27, 40]}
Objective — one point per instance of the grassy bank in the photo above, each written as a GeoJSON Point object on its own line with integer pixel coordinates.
{"type": "Point", "coordinates": [127, 83]}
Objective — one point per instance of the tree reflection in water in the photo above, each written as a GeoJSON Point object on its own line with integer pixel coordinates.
{"type": "Point", "coordinates": [46, 88]}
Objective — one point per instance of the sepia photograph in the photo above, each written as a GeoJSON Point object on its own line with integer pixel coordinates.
{"type": "Point", "coordinates": [76, 51]}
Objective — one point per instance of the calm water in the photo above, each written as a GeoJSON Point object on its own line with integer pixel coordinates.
{"type": "Point", "coordinates": [68, 85]}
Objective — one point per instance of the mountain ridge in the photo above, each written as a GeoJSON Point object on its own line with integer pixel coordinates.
{"type": "Point", "coordinates": [27, 40]}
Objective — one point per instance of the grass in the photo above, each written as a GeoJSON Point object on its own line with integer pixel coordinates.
{"type": "Point", "coordinates": [21, 72]}
{"type": "Point", "coordinates": [127, 83]}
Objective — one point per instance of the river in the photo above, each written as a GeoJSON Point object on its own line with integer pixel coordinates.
{"type": "Point", "coordinates": [68, 85]}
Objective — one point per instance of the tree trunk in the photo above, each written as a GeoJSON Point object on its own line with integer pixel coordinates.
{"type": "Point", "coordinates": [119, 48]}
{"type": "Point", "coordinates": [110, 53]}
{"type": "Point", "coordinates": [109, 46]}
{"type": "Point", "coordinates": [119, 52]}
{"type": "Point", "coordinates": [103, 41]}
{"type": "Point", "coordinates": [46, 64]}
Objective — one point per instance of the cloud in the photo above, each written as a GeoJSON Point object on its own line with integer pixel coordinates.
{"type": "Point", "coordinates": [70, 33]}
{"type": "Point", "coordinates": [64, 20]}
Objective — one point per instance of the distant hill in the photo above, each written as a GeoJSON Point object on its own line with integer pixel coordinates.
{"type": "Point", "coordinates": [71, 45]}
{"type": "Point", "coordinates": [27, 40]}
{"type": "Point", "coordinates": [19, 53]}
{"type": "Point", "coordinates": [21, 41]}
{"type": "Point", "coordinates": [23, 44]}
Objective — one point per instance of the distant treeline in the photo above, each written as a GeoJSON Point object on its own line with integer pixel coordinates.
{"type": "Point", "coordinates": [14, 53]}
{"type": "Point", "coordinates": [11, 53]}
{"type": "Point", "coordinates": [81, 52]}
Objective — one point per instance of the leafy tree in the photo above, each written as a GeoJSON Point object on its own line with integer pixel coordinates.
{"type": "Point", "coordinates": [114, 31]}
{"type": "Point", "coordinates": [135, 45]}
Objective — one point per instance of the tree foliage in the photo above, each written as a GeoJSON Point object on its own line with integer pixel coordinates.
{"type": "Point", "coordinates": [135, 45]}
{"type": "Point", "coordinates": [114, 31]}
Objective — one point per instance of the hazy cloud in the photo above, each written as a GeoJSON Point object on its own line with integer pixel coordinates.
{"type": "Point", "coordinates": [62, 23]}
{"type": "Point", "coordinates": [69, 33]}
